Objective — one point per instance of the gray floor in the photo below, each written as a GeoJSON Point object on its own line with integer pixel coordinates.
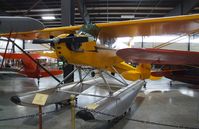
{"type": "Point", "coordinates": [159, 106]}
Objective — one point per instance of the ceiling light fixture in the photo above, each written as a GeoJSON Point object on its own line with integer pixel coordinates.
{"type": "Point", "coordinates": [48, 17]}
{"type": "Point", "coordinates": [127, 16]}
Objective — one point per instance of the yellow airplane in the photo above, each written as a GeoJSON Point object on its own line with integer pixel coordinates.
{"type": "Point", "coordinates": [80, 47]}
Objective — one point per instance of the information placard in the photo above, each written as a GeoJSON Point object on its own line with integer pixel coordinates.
{"type": "Point", "coordinates": [40, 99]}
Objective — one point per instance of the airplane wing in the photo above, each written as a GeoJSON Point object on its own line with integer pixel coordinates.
{"type": "Point", "coordinates": [152, 26]}
{"type": "Point", "coordinates": [158, 56]}
{"type": "Point", "coordinates": [19, 24]}
{"type": "Point", "coordinates": [142, 27]}
{"type": "Point", "coordinates": [165, 72]}
{"type": "Point", "coordinates": [18, 55]}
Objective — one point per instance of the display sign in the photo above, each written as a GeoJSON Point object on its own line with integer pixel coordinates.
{"type": "Point", "coordinates": [40, 99]}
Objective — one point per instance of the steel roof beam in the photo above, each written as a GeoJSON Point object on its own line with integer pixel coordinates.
{"type": "Point", "coordinates": [67, 12]}
{"type": "Point", "coordinates": [83, 11]}
{"type": "Point", "coordinates": [183, 8]}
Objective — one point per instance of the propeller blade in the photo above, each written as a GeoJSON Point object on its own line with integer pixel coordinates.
{"type": "Point", "coordinates": [59, 40]}
{"type": "Point", "coordinates": [42, 41]}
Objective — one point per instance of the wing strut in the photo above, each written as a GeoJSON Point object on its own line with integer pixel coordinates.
{"type": "Point", "coordinates": [65, 78]}
{"type": "Point", "coordinates": [5, 50]}
{"type": "Point", "coordinates": [119, 75]}
{"type": "Point", "coordinates": [110, 90]}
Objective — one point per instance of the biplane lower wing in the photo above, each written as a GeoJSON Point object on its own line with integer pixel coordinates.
{"type": "Point", "coordinates": [159, 56]}
{"type": "Point", "coordinates": [18, 55]}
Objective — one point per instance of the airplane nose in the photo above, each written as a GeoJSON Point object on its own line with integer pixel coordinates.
{"type": "Point", "coordinates": [85, 115]}
{"type": "Point", "coordinates": [16, 100]}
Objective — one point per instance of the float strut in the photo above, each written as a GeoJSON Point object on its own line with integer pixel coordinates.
{"type": "Point", "coordinates": [72, 102]}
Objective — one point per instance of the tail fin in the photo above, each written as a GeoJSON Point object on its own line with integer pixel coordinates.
{"type": "Point", "coordinates": [144, 70]}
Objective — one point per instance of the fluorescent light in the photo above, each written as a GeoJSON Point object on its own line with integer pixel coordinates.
{"type": "Point", "coordinates": [48, 17]}
{"type": "Point", "coordinates": [128, 16]}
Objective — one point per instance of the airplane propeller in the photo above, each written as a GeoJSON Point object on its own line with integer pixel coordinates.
{"type": "Point", "coordinates": [72, 42]}
{"type": "Point", "coordinates": [71, 39]}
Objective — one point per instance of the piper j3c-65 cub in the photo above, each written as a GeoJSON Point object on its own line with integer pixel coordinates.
{"type": "Point", "coordinates": [77, 45]}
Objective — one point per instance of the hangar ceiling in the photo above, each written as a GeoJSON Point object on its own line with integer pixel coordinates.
{"type": "Point", "coordinates": [99, 10]}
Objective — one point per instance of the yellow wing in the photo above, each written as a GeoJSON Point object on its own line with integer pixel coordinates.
{"type": "Point", "coordinates": [143, 27]}
{"type": "Point", "coordinates": [154, 26]}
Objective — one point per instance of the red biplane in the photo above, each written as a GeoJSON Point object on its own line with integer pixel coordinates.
{"type": "Point", "coordinates": [29, 68]}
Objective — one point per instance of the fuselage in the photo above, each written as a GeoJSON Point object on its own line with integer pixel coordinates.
{"type": "Point", "coordinates": [91, 54]}
{"type": "Point", "coordinates": [100, 57]}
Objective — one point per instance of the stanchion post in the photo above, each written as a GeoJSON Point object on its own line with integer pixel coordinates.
{"type": "Point", "coordinates": [40, 117]}
{"type": "Point", "coordinates": [72, 102]}
{"type": "Point", "coordinates": [40, 100]}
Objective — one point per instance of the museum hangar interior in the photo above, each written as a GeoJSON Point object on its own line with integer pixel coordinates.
{"type": "Point", "coordinates": [99, 64]}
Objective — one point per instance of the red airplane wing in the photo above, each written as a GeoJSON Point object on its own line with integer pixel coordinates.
{"type": "Point", "coordinates": [53, 71]}
{"type": "Point", "coordinates": [165, 72]}
{"type": "Point", "coordinates": [18, 55]}
{"type": "Point", "coordinates": [158, 56]}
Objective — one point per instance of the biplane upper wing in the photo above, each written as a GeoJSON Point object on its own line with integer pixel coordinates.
{"type": "Point", "coordinates": [158, 56]}
{"type": "Point", "coordinates": [141, 27]}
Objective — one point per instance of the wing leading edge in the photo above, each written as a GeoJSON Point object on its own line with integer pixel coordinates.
{"type": "Point", "coordinates": [142, 27]}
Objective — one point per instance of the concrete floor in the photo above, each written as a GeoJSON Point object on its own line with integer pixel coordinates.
{"type": "Point", "coordinates": [176, 106]}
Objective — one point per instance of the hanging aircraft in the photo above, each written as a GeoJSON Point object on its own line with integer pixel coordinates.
{"type": "Point", "coordinates": [28, 67]}
{"type": "Point", "coordinates": [175, 64]}
{"type": "Point", "coordinates": [77, 45]}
